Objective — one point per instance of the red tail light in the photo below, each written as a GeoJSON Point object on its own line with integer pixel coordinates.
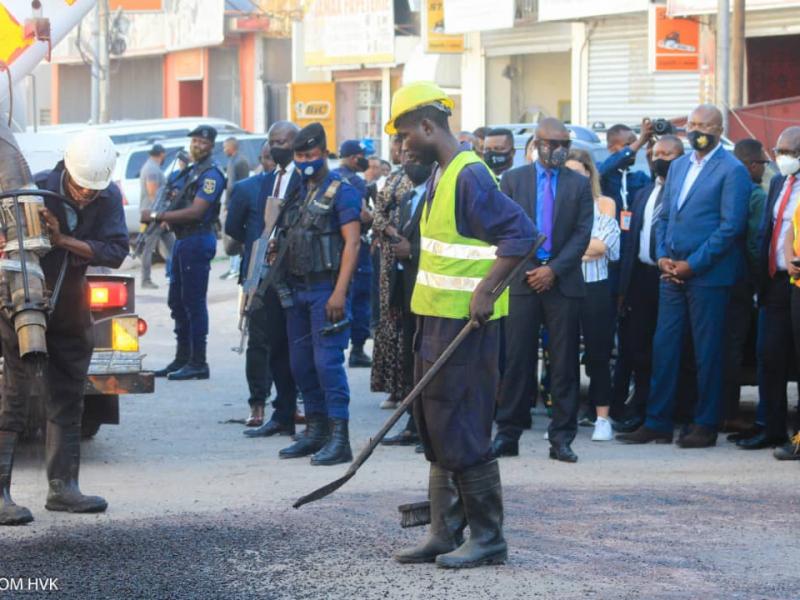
{"type": "Point", "coordinates": [109, 294]}
{"type": "Point", "coordinates": [141, 327]}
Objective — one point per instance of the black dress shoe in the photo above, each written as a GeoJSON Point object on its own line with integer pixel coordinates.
{"type": "Point", "coordinates": [747, 433]}
{"type": "Point", "coordinates": [627, 425]}
{"type": "Point", "coordinates": [563, 453]}
{"type": "Point", "coordinates": [190, 371]}
{"type": "Point", "coordinates": [358, 358]}
{"type": "Point", "coordinates": [170, 368]}
{"type": "Point", "coordinates": [269, 428]}
{"type": "Point", "coordinates": [790, 450]}
{"type": "Point", "coordinates": [645, 435]}
{"type": "Point", "coordinates": [698, 436]}
{"type": "Point", "coordinates": [761, 441]}
{"type": "Point", "coordinates": [404, 438]}
{"type": "Point", "coordinates": [419, 448]}
{"type": "Point", "coordinates": [504, 447]}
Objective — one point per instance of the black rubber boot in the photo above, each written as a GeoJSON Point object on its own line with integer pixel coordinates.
{"type": "Point", "coordinates": [63, 455]}
{"type": "Point", "coordinates": [358, 358]}
{"type": "Point", "coordinates": [10, 513]}
{"type": "Point", "coordinates": [483, 505]}
{"type": "Point", "coordinates": [447, 520]}
{"type": "Point", "coordinates": [316, 436]}
{"type": "Point", "coordinates": [337, 450]}
{"type": "Point", "coordinates": [182, 355]}
{"type": "Point", "coordinates": [196, 368]}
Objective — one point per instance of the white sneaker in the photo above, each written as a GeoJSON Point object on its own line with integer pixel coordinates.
{"type": "Point", "coordinates": [602, 430]}
{"type": "Point", "coordinates": [389, 404]}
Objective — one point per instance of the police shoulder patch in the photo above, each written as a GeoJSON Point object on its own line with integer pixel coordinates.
{"type": "Point", "coordinates": [209, 185]}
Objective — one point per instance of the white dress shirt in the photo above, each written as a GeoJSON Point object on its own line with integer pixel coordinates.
{"type": "Point", "coordinates": [695, 168]}
{"type": "Point", "coordinates": [647, 226]}
{"type": "Point", "coordinates": [785, 219]}
{"type": "Point", "coordinates": [281, 193]}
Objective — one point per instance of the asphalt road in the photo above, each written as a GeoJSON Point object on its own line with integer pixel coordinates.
{"type": "Point", "coordinates": [199, 511]}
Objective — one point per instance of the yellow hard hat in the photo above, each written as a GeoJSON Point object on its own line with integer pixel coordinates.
{"type": "Point", "coordinates": [413, 96]}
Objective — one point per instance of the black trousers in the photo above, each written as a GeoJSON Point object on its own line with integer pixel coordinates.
{"type": "Point", "coordinates": [268, 359]}
{"type": "Point", "coordinates": [69, 350]}
{"type": "Point", "coordinates": [636, 330]}
{"type": "Point", "coordinates": [454, 413]}
{"type": "Point", "coordinates": [738, 322]}
{"type": "Point", "coordinates": [527, 313]}
{"type": "Point", "coordinates": [775, 352]}
{"type": "Point", "coordinates": [597, 326]}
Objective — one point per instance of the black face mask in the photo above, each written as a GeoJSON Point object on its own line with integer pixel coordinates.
{"type": "Point", "coordinates": [282, 156]}
{"type": "Point", "coordinates": [417, 173]}
{"type": "Point", "coordinates": [552, 158]}
{"type": "Point", "coordinates": [497, 161]}
{"type": "Point", "coordinates": [362, 164]}
{"type": "Point", "coordinates": [701, 141]}
{"type": "Point", "coordinates": [661, 167]}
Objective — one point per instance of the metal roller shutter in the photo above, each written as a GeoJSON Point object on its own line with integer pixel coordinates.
{"type": "Point", "coordinates": [762, 23]}
{"type": "Point", "coordinates": [542, 37]}
{"type": "Point", "coordinates": [621, 88]}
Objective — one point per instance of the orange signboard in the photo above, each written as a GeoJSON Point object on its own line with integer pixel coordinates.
{"type": "Point", "coordinates": [675, 42]}
{"type": "Point", "coordinates": [134, 5]}
{"type": "Point", "coordinates": [315, 102]}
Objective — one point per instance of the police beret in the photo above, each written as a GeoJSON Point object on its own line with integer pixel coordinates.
{"type": "Point", "coordinates": [310, 137]}
{"type": "Point", "coordinates": [207, 132]}
{"type": "Point", "coordinates": [350, 148]}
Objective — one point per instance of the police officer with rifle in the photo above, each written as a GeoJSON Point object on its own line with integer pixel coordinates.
{"type": "Point", "coordinates": [192, 216]}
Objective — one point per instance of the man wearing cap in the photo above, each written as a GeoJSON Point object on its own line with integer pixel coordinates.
{"type": "Point", "coordinates": [192, 215]}
{"type": "Point", "coordinates": [152, 179]}
{"type": "Point", "coordinates": [471, 237]}
{"type": "Point", "coordinates": [318, 238]}
{"type": "Point", "coordinates": [353, 161]}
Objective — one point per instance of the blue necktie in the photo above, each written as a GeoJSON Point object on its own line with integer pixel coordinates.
{"type": "Point", "coordinates": [548, 204]}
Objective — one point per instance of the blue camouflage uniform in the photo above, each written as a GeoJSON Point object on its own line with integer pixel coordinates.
{"type": "Point", "coordinates": [317, 360]}
{"type": "Point", "coordinates": [361, 288]}
{"type": "Point", "coordinates": [194, 249]}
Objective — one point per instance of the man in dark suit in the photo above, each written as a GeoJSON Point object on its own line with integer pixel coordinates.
{"type": "Point", "coordinates": [638, 287]}
{"type": "Point", "coordinates": [560, 202]}
{"type": "Point", "coordinates": [406, 245]}
{"type": "Point", "coordinates": [267, 357]}
{"type": "Point", "coordinates": [775, 348]}
{"type": "Point", "coordinates": [699, 234]}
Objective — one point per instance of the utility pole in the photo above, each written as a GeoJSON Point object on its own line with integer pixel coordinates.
{"type": "Point", "coordinates": [95, 67]}
{"type": "Point", "coordinates": [105, 72]}
{"type": "Point", "coordinates": [723, 59]}
{"type": "Point", "coordinates": [737, 54]}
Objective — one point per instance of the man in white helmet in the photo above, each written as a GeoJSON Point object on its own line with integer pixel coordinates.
{"type": "Point", "coordinates": [90, 233]}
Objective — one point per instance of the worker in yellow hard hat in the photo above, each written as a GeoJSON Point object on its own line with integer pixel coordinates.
{"type": "Point", "coordinates": [472, 236]}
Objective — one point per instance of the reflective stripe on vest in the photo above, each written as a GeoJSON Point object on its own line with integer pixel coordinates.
{"type": "Point", "coordinates": [450, 265]}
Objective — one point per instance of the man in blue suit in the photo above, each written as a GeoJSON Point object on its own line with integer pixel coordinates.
{"type": "Point", "coordinates": [699, 242]}
{"type": "Point", "coordinates": [267, 358]}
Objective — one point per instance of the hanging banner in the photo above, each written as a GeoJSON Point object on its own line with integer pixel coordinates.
{"type": "Point", "coordinates": [707, 7]}
{"type": "Point", "coordinates": [314, 102]}
{"type": "Point", "coordinates": [348, 33]}
{"type": "Point", "coordinates": [464, 16]}
{"type": "Point", "coordinates": [436, 40]}
{"type": "Point", "coordinates": [571, 10]}
{"type": "Point", "coordinates": [674, 42]}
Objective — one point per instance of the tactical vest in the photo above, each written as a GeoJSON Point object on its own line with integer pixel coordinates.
{"type": "Point", "coordinates": [450, 265]}
{"type": "Point", "coordinates": [185, 197]}
{"type": "Point", "coordinates": [315, 242]}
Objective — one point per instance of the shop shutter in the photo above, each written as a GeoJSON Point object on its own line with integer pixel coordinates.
{"type": "Point", "coordinates": [541, 37]}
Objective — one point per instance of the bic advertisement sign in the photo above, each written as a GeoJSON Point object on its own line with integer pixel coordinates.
{"type": "Point", "coordinates": [315, 102]}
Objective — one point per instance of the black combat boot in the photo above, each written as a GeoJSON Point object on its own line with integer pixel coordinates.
{"type": "Point", "coordinates": [337, 450]}
{"type": "Point", "coordinates": [63, 455]}
{"type": "Point", "coordinates": [314, 438]}
{"type": "Point", "coordinates": [10, 513]}
{"type": "Point", "coordinates": [447, 520]}
{"type": "Point", "coordinates": [182, 355]}
{"type": "Point", "coordinates": [196, 368]}
{"type": "Point", "coordinates": [482, 496]}
{"type": "Point", "coordinates": [358, 358]}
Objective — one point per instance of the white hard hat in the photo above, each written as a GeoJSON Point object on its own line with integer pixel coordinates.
{"type": "Point", "coordinates": [90, 159]}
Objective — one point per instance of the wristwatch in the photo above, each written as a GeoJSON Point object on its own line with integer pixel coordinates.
{"type": "Point", "coordinates": [154, 216]}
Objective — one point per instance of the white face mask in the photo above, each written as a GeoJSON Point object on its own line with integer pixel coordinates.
{"type": "Point", "coordinates": [787, 165]}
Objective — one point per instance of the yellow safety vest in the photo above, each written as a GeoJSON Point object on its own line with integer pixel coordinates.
{"type": "Point", "coordinates": [450, 265]}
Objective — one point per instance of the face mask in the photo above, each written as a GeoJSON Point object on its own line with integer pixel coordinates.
{"type": "Point", "coordinates": [701, 141]}
{"type": "Point", "coordinates": [282, 156]}
{"type": "Point", "coordinates": [497, 161]}
{"type": "Point", "coordinates": [661, 167]}
{"type": "Point", "coordinates": [362, 164]}
{"type": "Point", "coordinates": [310, 168]}
{"type": "Point", "coordinates": [787, 165]}
{"type": "Point", "coordinates": [417, 173]}
{"type": "Point", "coordinates": [553, 159]}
